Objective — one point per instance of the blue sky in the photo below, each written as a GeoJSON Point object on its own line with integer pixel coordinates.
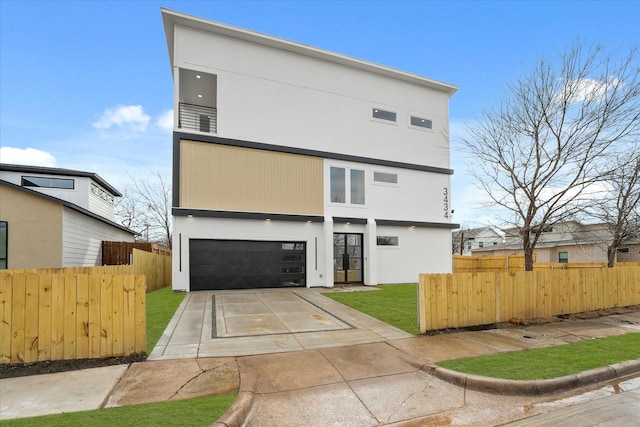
{"type": "Point", "coordinates": [88, 84]}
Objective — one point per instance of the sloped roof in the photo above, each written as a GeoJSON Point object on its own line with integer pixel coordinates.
{"type": "Point", "coordinates": [171, 18]}
{"type": "Point", "coordinates": [59, 171]}
{"type": "Point", "coordinates": [67, 204]}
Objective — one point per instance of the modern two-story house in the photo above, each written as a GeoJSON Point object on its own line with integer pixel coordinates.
{"type": "Point", "coordinates": [295, 166]}
{"type": "Point", "coordinates": [53, 217]}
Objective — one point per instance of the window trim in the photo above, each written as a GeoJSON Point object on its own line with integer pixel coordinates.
{"type": "Point", "coordinates": [29, 177]}
{"type": "Point", "coordinates": [390, 184]}
{"type": "Point", "coordinates": [390, 245]}
{"type": "Point", "coordinates": [348, 194]}
{"type": "Point", "coordinates": [418, 127]}
{"type": "Point", "coordinates": [381, 119]}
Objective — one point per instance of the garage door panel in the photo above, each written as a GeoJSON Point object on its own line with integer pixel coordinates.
{"type": "Point", "coordinates": [240, 264]}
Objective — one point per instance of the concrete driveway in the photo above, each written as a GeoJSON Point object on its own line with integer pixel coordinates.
{"type": "Point", "coordinates": [255, 321]}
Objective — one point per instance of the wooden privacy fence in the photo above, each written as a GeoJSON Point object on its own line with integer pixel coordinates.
{"type": "Point", "coordinates": [485, 264]}
{"type": "Point", "coordinates": [48, 316]}
{"type": "Point", "coordinates": [473, 299]}
{"type": "Point", "coordinates": [119, 253]}
{"type": "Point", "coordinates": [156, 268]}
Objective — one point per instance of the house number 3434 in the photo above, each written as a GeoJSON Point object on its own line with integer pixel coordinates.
{"type": "Point", "coordinates": [445, 201]}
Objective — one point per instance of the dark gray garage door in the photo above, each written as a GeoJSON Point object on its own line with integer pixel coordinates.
{"type": "Point", "coordinates": [243, 264]}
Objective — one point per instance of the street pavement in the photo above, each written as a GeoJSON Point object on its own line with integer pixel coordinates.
{"type": "Point", "coordinates": [336, 366]}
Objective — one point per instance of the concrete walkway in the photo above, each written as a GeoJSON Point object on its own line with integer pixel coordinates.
{"type": "Point", "coordinates": [335, 366]}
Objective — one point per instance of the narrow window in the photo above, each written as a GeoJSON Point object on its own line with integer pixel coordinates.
{"type": "Point", "coordinates": [384, 115]}
{"type": "Point", "coordinates": [38, 181]}
{"type": "Point", "coordinates": [389, 178]}
{"type": "Point", "coordinates": [338, 185]}
{"type": "Point", "coordinates": [481, 244]}
{"type": "Point", "coordinates": [387, 240]}
{"type": "Point", "coordinates": [468, 246]}
{"type": "Point", "coordinates": [4, 241]}
{"type": "Point", "coordinates": [623, 250]}
{"type": "Point", "coordinates": [563, 257]}
{"type": "Point", "coordinates": [357, 187]}
{"type": "Point", "coordinates": [422, 123]}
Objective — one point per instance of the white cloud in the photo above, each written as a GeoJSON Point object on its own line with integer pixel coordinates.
{"type": "Point", "coordinates": [128, 117]}
{"type": "Point", "coordinates": [165, 121]}
{"type": "Point", "coordinates": [26, 156]}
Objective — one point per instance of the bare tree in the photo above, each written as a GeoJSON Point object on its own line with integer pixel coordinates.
{"type": "Point", "coordinates": [536, 155]}
{"type": "Point", "coordinates": [618, 206]}
{"type": "Point", "coordinates": [146, 208]}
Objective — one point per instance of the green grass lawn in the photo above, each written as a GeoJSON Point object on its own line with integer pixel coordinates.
{"type": "Point", "coordinates": [161, 306]}
{"type": "Point", "coordinates": [202, 411]}
{"type": "Point", "coordinates": [393, 304]}
{"type": "Point", "coordinates": [551, 362]}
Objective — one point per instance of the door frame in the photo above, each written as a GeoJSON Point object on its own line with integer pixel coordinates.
{"type": "Point", "coordinates": [345, 278]}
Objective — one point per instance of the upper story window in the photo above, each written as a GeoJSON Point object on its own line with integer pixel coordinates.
{"type": "Point", "coordinates": [384, 115]}
{"type": "Point", "coordinates": [101, 193]}
{"type": "Point", "coordinates": [387, 178]}
{"type": "Point", "coordinates": [421, 123]}
{"type": "Point", "coordinates": [38, 181]}
{"type": "Point", "coordinates": [339, 186]}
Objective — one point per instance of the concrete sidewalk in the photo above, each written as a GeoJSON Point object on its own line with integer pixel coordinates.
{"type": "Point", "coordinates": [386, 381]}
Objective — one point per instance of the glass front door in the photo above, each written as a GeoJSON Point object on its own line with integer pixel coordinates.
{"type": "Point", "coordinates": [347, 258]}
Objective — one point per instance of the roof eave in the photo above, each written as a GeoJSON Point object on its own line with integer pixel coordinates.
{"type": "Point", "coordinates": [171, 18]}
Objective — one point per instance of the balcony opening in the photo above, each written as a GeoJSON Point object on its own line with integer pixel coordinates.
{"type": "Point", "coordinates": [197, 104]}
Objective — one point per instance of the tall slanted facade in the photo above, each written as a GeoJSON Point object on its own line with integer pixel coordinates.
{"type": "Point", "coordinates": [294, 166]}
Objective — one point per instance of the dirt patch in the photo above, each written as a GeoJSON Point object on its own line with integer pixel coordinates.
{"type": "Point", "coordinates": [526, 322]}
{"type": "Point", "coordinates": [14, 370]}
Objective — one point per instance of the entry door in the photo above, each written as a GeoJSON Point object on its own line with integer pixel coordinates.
{"type": "Point", "coordinates": [347, 258]}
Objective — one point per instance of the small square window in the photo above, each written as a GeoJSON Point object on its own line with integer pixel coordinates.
{"type": "Point", "coordinates": [563, 257]}
{"type": "Point", "coordinates": [422, 123]}
{"type": "Point", "coordinates": [384, 115]}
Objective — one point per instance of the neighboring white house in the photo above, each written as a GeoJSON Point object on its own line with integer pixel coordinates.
{"type": "Point", "coordinates": [467, 240]}
{"type": "Point", "coordinates": [295, 166]}
{"type": "Point", "coordinates": [51, 217]}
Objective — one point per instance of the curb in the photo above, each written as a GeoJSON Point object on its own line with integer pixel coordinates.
{"type": "Point", "coordinates": [536, 387]}
{"type": "Point", "coordinates": [238, 412]}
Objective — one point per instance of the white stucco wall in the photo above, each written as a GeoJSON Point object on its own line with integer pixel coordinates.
{"type": "Point", "coordinates": [279, 97]}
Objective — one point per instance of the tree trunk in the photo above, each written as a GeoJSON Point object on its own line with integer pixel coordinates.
{"type": "Point", "coordinates": [611, 256]}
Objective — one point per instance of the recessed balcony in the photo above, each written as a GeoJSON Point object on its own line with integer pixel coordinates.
{"type": "Point", "coordinates": [198, 118]}
{"type": "Point", "coordinates": [197, 101]}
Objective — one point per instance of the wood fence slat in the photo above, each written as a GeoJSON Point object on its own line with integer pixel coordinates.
{"type": "Point", "coordinates": [44, 320]}
{"type": "Point", "coordinates": [6, 305]}
{"type": "Point", "coordinates": [140, 314]}
{"type": "Point", "coordinates": [57, 317]}
{"type": "Point", "coordinates": [118, 324]}
{"type": "Point", "coordinates": [82, 316]}
{"type": "Point", "coordinates": [18, 318]}
{"type": "Point", "coordinates": [94, 316]}
{"type": "Point", "coordinates": [106, 315]}
{"type": "Point", "coordinates": [32, 321]}
{"type": "Point", "coordinates": [70, 316]}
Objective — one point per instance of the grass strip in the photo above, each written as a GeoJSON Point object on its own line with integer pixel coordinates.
{"type": "Point", "coordinates": [393, 304]}
{"type": "Point", "coordinates": [551, 362]}
{"type": "Point", "coordinates": [161, 306]}
{"type": "Point", "coordinates": [201, 411]}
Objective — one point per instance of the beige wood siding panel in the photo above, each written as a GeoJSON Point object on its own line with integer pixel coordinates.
{"type": "Point", "coordinates": [34, 228]}
{"type": "Point", "coordinates": [221, 177]}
